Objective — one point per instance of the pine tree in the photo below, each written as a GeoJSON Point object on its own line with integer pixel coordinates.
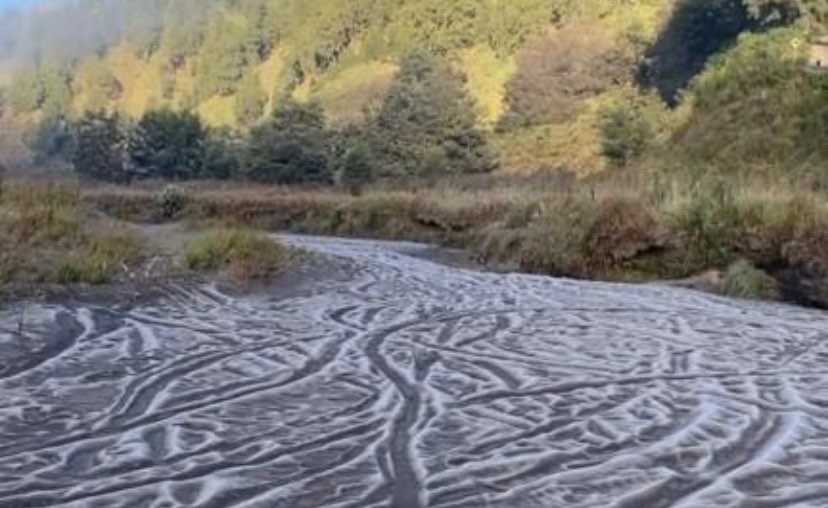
{"type": "Point", "coordinates": [427, 113]}
{"type": "Point", "coordinates": [223, 153]}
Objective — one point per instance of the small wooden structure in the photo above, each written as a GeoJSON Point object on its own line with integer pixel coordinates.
{"type": "Point", "coordinates": [818, 57]}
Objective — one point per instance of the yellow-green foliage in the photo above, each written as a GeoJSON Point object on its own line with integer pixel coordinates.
{"type": "Point", "coordinates": [568, 146]}
{"type": "Point", "coordinates": [487, 75]}
{"type": "Point", "coordinates": [245, 254]}
{"type": "Point", "coordinates": [348, 94]}
{"type": "Point", "coordinates": [218, 111]}
{"type": "Point", "coordinates": [539, 71]}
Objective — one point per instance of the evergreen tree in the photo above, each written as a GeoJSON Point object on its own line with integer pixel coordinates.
{"type": "Point", "coordinates": [291, 147]}
{"type": "Point", "coordinates": [625, 133]}
{"type": "Point", "coordinates": [223, 152]}
{"type": "Point", "coordinates": [101, 148]}
{"type": "Point", "coordinates": [428, 116]}
{"type": "Point", "coordinates": [356, 168]}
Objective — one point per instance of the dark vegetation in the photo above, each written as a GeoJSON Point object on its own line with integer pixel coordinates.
{"type": "Point", "coordinates": [426, 127]}
{"type": "Point", "coordinates": [698, 30]}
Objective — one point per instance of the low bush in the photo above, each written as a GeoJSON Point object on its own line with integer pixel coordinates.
{"type": "Point", "coordinates": [170, 201]}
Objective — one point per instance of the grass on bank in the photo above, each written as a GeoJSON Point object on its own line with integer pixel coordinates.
{"type": "Point", "coordinates": [244, 254]}
{"type": "Point", "coordinates": [622, 227]}
{"type": "Point", "coordinates": [49, 236]}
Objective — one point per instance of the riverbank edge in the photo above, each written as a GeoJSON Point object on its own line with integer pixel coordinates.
{"type": "Point", "coordinates": [763, 249]}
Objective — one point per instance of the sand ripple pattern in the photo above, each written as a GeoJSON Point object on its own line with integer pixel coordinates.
{"type": "Point", "coordinates": [387, 380]}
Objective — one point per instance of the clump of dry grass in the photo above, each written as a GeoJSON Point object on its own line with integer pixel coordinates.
{"type": "Point", "coordinates": [48, 236]}
{"type": "Point", "coordinates": [243, 253]}
{"type": "Point", "coordinates": [743, 280]}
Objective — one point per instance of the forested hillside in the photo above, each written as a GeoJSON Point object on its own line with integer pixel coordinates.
{"type": "Point", "coordinates": [525, 85]}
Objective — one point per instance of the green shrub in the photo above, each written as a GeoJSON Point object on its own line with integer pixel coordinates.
{"type": "Point", "coordinates": [170, 201]}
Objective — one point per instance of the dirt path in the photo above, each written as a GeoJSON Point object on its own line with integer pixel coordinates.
{"type": "Point", "coordinates": [379, 378]}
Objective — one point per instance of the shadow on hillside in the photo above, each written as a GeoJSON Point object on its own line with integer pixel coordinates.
{"type": "Point", "coordinates": [698, 30]}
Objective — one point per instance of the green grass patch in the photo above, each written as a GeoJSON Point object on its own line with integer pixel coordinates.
{"type": "Point", "coordinates": [243, 253]}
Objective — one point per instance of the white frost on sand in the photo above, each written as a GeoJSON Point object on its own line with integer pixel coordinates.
{"type": "Point", "coordinates": [388, 380]}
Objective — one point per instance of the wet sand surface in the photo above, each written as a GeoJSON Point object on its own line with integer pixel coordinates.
{"type": "Point", "coordinates": [379, 378]}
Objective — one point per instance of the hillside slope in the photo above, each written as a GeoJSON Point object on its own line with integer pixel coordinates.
{"type": "Point", "coordinates": [545, 74]}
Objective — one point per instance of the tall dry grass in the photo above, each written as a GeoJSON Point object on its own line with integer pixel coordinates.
{"type": "Point", "coordinates": [50, 236]}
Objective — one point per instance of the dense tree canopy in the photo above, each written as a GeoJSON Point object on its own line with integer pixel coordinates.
{"type": "Point", "coordinates": [171, 145]}
{"type": "Point", "coordinates": [291, 147]}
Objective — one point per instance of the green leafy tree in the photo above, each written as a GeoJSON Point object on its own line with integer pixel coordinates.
{"type": "Point", "coordinates": [171, 145]}
{"type": "Point", "coordinates": [427, 112]}
{"type": "Point", "coordinates": [291, 147]}
{"type": "Point", "coordinates": [700, 29]}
